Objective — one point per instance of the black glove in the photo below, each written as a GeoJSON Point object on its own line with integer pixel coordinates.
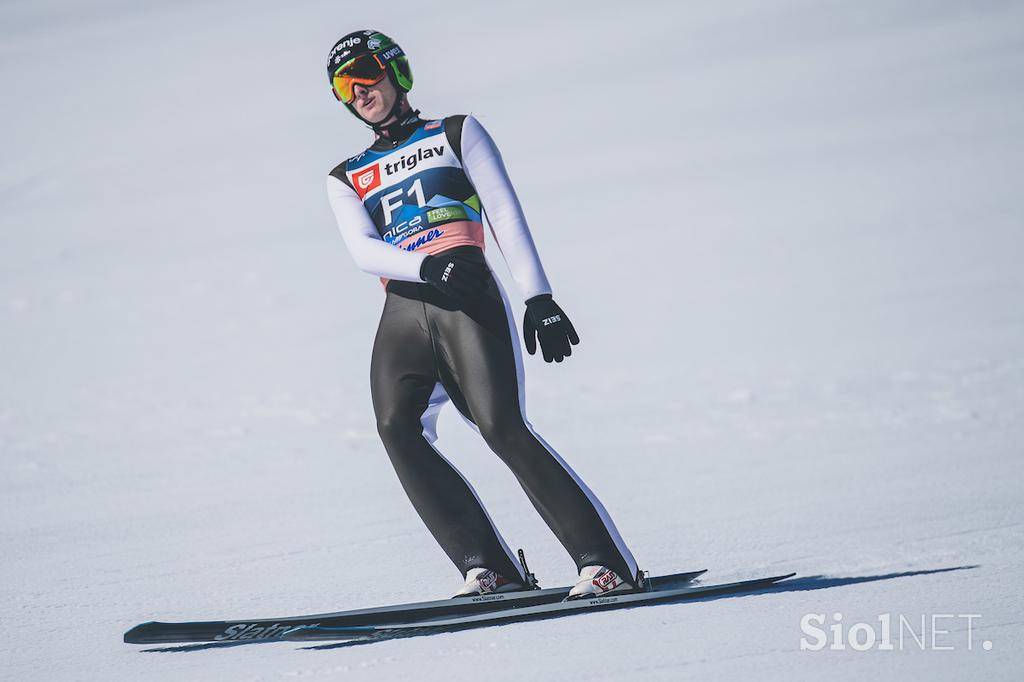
{"type": "Point", "coordinates": [544, 320]}
{"type": "Point", "coordinates": [459, 277]}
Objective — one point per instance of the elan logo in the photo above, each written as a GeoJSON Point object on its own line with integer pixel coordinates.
{"type": "Point", "coordinates": [366, 180]}
{"type": "Point", "coordinates": [243, 631]}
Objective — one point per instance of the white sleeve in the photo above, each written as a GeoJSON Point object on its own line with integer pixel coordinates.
{"type": "Point", "coordinates": [371, 253]}
{"type": "Point", "coordinates": [482, 162]}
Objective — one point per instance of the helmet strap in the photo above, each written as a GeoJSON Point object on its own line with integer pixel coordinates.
{"type": "Point", "coordinates": [382, 128]}
{"type": "Point", "coordinates": [401, 115]}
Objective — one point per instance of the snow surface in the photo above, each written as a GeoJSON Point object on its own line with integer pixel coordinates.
{"type": "Point", "coordinates": [790, 234]}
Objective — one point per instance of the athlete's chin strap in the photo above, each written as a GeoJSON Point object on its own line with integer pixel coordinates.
{"type": "Point", "coordinates": [400, 129]}
{"type": "Point", "coordinates": [397, 129]}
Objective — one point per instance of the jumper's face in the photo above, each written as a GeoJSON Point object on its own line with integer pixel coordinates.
{"type": "Point", "coordinates": [373, 102]}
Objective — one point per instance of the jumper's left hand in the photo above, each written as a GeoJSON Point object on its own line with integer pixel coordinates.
{"type": "Point", "coordinates": [546, 321]}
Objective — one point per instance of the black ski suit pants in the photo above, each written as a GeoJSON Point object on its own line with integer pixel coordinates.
{"type": "Point", "coordinates": [429, 350]}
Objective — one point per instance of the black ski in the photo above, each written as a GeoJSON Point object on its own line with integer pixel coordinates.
{"type": "Point", "coordinates": [656, 593]}
{"type": "Point", "coordinates": [264, 629]}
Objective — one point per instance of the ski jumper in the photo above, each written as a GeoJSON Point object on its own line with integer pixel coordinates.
{"type": "Point", "coordinates": [395, 203]}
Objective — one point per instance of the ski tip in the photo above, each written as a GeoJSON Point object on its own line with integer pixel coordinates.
{"type": "Point", "coordinates": [778, 578]}
{"type": "Point", "coordinates": [136, 635]}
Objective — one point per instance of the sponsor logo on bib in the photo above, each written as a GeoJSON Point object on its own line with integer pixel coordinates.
{"type": "Point", "coordinates": [366, 179]}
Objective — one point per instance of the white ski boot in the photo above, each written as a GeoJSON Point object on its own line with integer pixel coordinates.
{"type": "Point", "coordinates": [596, 581]}
{"type": "Point", "coordinates": [484, 581]}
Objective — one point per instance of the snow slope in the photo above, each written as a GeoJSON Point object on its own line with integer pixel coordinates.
{"type": "Point", "coordinates": [789, 233]}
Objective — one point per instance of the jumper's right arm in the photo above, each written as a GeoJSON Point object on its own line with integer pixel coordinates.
{"type": "Point", "coordinates": [371, 253]}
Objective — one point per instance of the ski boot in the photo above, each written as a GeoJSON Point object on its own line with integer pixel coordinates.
{"type": "Point", "coordinates": [484, 581]}
{"type": "Point", "coordinates": [597, 581]}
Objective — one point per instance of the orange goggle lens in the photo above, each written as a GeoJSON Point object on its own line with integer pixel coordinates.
{"type": "Point", "coordinates": [365, 70]}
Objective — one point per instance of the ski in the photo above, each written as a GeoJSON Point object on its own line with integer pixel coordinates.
{"type": "Point", "coordinates": [264, 629]}
{"type": "Point", "coordinates": [656, 593]}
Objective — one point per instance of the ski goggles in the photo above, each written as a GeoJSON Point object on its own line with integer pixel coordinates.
{"type": "Point", "coordinates": [367, 70]}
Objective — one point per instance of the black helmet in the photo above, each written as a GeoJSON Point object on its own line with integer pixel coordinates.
{"type": "Point", "coordinates": [387, 51]}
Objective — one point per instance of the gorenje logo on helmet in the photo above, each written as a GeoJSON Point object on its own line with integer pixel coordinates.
{"type": "Point", "coordinates": [341, 50]}
{"type": "Point", "coordinates": [347, 44]}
